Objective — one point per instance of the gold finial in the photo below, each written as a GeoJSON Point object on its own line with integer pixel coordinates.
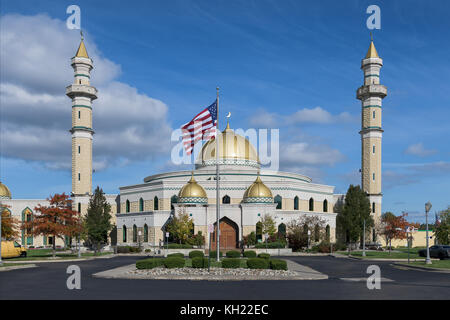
{"type": "Point", "coordinates": [81, 34]}
{"type": "Point", "coordinates": [82, 52]}
{"type": "Point", "coordinates": [192, 176]}
{"type": "Point", "coordinates": [372, 52]}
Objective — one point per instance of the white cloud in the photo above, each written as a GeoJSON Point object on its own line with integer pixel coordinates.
{"type": "Point", "coordinates": [35, 54]}
{"type": "Point", "coordinates": [418, 149]}
{"type": "Point", "coordinates": [301, 153]}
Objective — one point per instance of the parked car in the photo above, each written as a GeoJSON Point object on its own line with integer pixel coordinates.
{"type": "Point", "coordinates": [441, 252]}
{"type": "Point", "coordinates": [12, 249]}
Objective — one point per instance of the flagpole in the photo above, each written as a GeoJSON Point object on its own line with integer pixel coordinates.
{"type": "Point", "coordinates": [217, 180]}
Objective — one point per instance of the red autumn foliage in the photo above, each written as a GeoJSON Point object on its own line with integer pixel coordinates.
{"type": "Point", "coordinates": [57, 220]}
{"type": "Point", "coordinates": [10, 225]}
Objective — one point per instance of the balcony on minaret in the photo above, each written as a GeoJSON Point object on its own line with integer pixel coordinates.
{"type": "Point", "coordinates": [372, 90]}
{"type": "Point", "coordinates": [81, 90]}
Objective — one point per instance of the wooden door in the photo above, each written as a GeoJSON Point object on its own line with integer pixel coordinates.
{"type": "Point", "coordinates": [228, 236]}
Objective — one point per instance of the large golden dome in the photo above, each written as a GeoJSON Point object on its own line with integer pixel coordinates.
{"type": "Point", "coordinates": [4, 192]}
{"type": "Point", "coordinates": [258, 192]}
{"type": "Point", "coordinates": [192, 192]}
{"type": "Point", "coordinates": [234, 150]}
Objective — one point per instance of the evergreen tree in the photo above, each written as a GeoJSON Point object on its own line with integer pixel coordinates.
{"type": "Point", "coordinates": [355, 210]}
{"type": "Point", "coordinates": [98, 220]}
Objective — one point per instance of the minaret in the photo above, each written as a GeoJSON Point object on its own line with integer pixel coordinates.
{"type": "Point", "coordinates": [82, 94]}
{"type": "Point", "coordinates": [371, 95]}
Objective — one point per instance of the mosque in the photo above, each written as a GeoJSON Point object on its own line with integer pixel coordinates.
{"type": "Point", "coordinates": [247, 193]}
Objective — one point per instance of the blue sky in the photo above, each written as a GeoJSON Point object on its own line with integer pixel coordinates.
{"type": "Point", "coordinates": [272, 60]}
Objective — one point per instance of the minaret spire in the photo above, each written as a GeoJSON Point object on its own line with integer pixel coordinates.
{"type": "Point", "coordinates": [371, 95]}
{"type": "Point", "coordinates": [82, 95]}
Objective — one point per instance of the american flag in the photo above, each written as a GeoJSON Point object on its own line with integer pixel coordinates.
{"type": "Point", "coordinates": [202, 127]}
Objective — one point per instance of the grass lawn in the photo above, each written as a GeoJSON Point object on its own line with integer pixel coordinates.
{"type": "Point", "coordinates": [384, 254]}
{"type": "Point", "coordinates": [44, 254]}
{"type": "Point", "coordinates": [441, 264]}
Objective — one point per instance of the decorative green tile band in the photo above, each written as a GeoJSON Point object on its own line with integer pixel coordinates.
{"type": "Point", "coordinates": [371, 75]}
{"type": "Point", "coordinates": [81, 106]}
{"type": "Point", "coordinates": [372, 106]}
{"type": "Point", "coordinates": [82, 75]}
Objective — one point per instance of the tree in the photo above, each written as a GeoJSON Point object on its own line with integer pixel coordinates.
{"type": "Point", "coordinates": [443, 227]}
{"type": "Point", "coordinates": [393, 227]}
{"type": "Point", "coordinates": [180, 226]}
{"type": "Point", "coordinates": [57, 220]}
{"type": "Point", "coordinates": [354, 212]}
{"type": "Point", "coordinates": [268, 225]}
{"type": "Point", "coordinates": [97, 222]}
{"type": "Point", "coordinates": [297, 231]}
{"type": "Point", "coordinates": [10, 225]}
{"type": "Point", "coordinates": [250, 239]}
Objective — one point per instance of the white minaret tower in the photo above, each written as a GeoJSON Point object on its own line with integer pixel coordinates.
{"type": "Point", "coordinates": [82, 94]}
{"type": "Point", "coordinates": [371, 95]}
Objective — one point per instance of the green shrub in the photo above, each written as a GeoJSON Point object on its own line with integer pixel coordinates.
{"type": "Point", "coordinates": [199, 262]}
{"type": "Point", "coordinates": [233, 254]}
{"type": "Point", "coordinates": [264, 255]}
{"type": "Point", "coordinates": [178, 254]}
{"type": "Point", "coordinates": [149, 263]}
{"type": "Point", "coordinates": [179, 246]}
{"type": "Point", "coordinates": [213, 254]}
{"type": "Point", "coordinates": [123, 249]}
{"type": "Point", "coordinates": [277, 264]}
{"type": "Point", "coordinates": [258, 263]}
{"type": "Point", "coordinates": [270, 245]}
{"type": "Point", "coordinates": [148, 250]}
{"type": "Point", "coordinates": [174, 262]}
{"type": "Point", "coordinates": [195, 254]}
{"type": "Point", "coordinates": [250, 254]}
{"type": "Point", "coordinates": [231, 263]}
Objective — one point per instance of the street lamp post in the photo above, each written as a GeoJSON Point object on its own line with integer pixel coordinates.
{"type": "Point", "coordinates": [427, 209]}
{"type": "Point", "coordinates": [309, 236]}
{"type": "Point", "coordinates": [364, 238]}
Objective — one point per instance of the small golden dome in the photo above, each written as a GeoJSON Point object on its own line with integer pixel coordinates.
{"type": "Point", "coordinates": [258, 192]}
{"type": "Point", "coordinates": [82, 51]}
{"type": "Point", "coordinates": [234, 149]}
{"type": "Point", "coordinates": [372, 52]}
{"type": "Point", "coordinates": [4, 192]}
{"type": "Point", "coordinates": [192, 192]}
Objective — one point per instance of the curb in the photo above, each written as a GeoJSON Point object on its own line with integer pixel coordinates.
{"type": "Point", "coordinates": [17, 267]}
{"type": "Point", "coordinates": [421, 268]}
{"type": "Point", "coordinates": [63, 260]}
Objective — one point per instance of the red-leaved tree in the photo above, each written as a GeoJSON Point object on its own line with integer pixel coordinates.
{"type": "Point", "coordinates": [10, 225]}
{"type": "Point", "coordinates": [394, 227]}
{"type": "Point", "coordinates": [57, 220]}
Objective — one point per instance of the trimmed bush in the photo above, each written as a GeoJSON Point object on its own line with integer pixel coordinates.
{"type": "Point", "coordinates": [213, 254]}
{"type": "Point", "coordinates": [196, 254]}
{"type": "Point", "coordinates": [150, 263]}
{"type": "Point", "coordinates": [148, 250]}
{"type": "Point", "coordinates": [179, 246]}
{"type": "Point", "coordinates": [178, 254]}
{"type": "Point", "coordinates": [264, 255]}
{"type": "Point", "coordinates": [258, 263]}
{"type": "Point", "coordinates": [233, 254]}
{"type": "Point", "coordinates": [174, 262]}
{"type": "Point", "coordinates": [250, 254]}
{"type": "Point", "coordinates": [135, 249]}
{"type": "Point", "coordinates": [123, 249]}
{"type": "Point", "coordinates": [199, 262]}
{"type": "Point", "coordinates": [277, 264]}
{"type": "Point", "coordinates": [231, 263]}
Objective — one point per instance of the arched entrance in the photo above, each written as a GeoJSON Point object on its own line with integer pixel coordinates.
{"type": "Point", "coordinates": [229, 235]}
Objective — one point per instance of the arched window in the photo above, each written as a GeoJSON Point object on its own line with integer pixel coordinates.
{"type": "Point", "coordinates": [296, 203]}
{"type": "Point", "coordinates": [258, 230]}
{"type": "Point", "coordinates": [282, 230]}
{"type": "Point", "coordinates": [311, 204]}
{"type": "Point", "coordinates": [278, 200]}
{"type": "Point", "coordinates": [325, 205]}
{"type": "Point", "coordinates": [155, 203]}
{"type": "Point", "coordinates": [226, 199]}
{"type": "Point", "coordinates": [145, 233]}
{"type": "Point", "coordinates": [124, 233]}
{"type": "Point", "coordinates": [173, 200]}
{"type": "Point", "coordinates": [141, 204]}
{"type": "Point", "coordinates": [373, 207]}
{"type": "Point", "coordinates": [127, 205]}
{"type": "Point", "coordinates": [327, 233]}
{"type": "Point", "coordinates": [134, 233]}
{"type": "Point", "coordinates": [316, 233]}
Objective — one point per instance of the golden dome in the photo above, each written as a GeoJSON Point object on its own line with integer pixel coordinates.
{"type": "Point", "coordinates": [192, 192]}
{"type": "Point", "coordinates": [258, 192]}
{"type": "Point", "coordinates": [234, 149]}
{"type": "Point", "coordinates": [372, 52]}
{"type": "Point", "coordinates": [4, 192]}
